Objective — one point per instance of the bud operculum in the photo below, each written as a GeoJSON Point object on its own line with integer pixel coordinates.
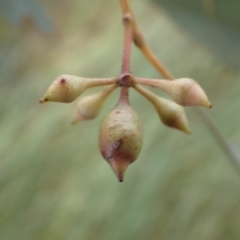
{"type": "Point", "coordinates": [170, 113]}
{"type": "Point", "coordinates": [88, 107]}
{"type": "Point", "coordinates": [121, 137]}
{"type": "Point", "coordinates": [188, 92]}
{"type": "Point", "coordinates": [67, 88]}
{"type": "Point", "coordinates": [184, 91]}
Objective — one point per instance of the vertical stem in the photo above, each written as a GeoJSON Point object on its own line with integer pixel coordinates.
{"type": "Point", "coordinates": [125, 6]}
{"type": "Point", "coordinates": [149, 54]}
{"type": "Point", "coordinates": [127, 44]}
{"type": "Point", "coordinates": [128, 33]}
{"type": "Point", "coordinates": [124, 95]}
{"type": "Point", "coordinates": [140, 42]}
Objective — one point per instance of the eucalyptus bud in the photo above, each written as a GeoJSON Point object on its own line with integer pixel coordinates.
{"type": "Point", "coordinates": [121, 137]}
{"type": "Point", "coordinates": [67, 88]}
{"type": "Point", "coordinates": [184, 91]}
{"type": "Point", "coordinates": [170, 113]}
{"type": "Point", "coordinates": [88, 107]}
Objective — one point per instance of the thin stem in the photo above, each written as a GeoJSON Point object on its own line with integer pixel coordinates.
{"type": "Point", "coordinates": [140, 42]}
{"type": "Point", "coordinates": [125, 6]}
{"type": "Point", "coordinates": [226, 147]}
{"type": "Point", "coordinates": [146, 93]}
{"type": "Point", "coordinates": [124, 94]}
{"type": "Point", "coordinates": [126, 55]}
{"type": "Point", "coordinates": [108, 90]}
{"type": "Point", "coordinates": [148, 53]}
{"type": "Point", "coordinates": [156, 83]}
{"type": "Point", "coordinates": [127, 44]}
{"type": "Point", "coordinates": [128, 33]}
{"type": "Point", "coordinates": [94, 82]}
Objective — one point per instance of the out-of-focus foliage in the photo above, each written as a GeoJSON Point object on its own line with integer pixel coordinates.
{"type": "Point", "coordinates": [54, 184]}
{"type": "Point", "coordinates": [216, 22]}
{"type": "Point", "coordinates": [17, 11]}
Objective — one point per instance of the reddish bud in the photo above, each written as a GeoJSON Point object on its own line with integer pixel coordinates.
{"type": "Point", "coordinates": [121, 137]}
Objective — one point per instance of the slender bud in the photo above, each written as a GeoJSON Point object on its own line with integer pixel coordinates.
{"type": "Point", "coordinates": [67, 88]}
{"type": "Point", "coordinates": [184, 91]}
{"type": "Point", "coordinates": [170, 113]}
{"type": "Point", "coordinates": [121, 137]}
{"type": "Point", "coordinates": [88, 107]}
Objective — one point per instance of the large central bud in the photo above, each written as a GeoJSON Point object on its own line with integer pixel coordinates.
{"type": "Point", "coordinates": [121, 137]}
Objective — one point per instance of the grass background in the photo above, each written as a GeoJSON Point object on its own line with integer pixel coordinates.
{"type": "Point", "coordinates": [54, 184]}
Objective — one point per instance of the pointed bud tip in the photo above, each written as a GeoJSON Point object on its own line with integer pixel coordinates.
{"type": "Point", "coordinates": [206, 104]}
{"type": "Point", "coordinates": [119, 166]}
{"type": "Point", "coordinates": [43, 100]}
{"type": "Point", "coordinates": [182, 128]}
{"type": "Point", "coordinates": [182, 124]}
{"type": "Point", "coordinates": [78, 120]}
{"type": "Point", "coordinates": [74, 121]}
{"type": "Point", "coordinates": [188, 131]}
{"type": "Point", "coordinates": [120, 177]}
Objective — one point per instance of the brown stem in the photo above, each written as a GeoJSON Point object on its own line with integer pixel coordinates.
{"type": "Point", "coordinates": [156, 83]}
{"type": "Point", "coordinates": [124, 95]}
{"type": "Point", "coordinates": [148, 53]}
{"type": "Point", "coordinates": [128, 33]}
{"type": "Point", "coordinates": [127, 44]}
{"type": "Point", "coordinates": [140, 42]}
{"type": "Point", "coordinates": [125, 6]}
{"type": "Point", "coordinates": [96, 82]}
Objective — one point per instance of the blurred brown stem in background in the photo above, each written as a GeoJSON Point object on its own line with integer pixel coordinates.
{"type": "Point", "coordinates": [140, 42]}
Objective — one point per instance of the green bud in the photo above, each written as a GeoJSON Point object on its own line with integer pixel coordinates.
{"type": "Point", "coordinates": [170, 113]}
{"type": "Point", "coordinates": [121, 137]}
{"type": "Point", "coordinates": [187, 92]}
{"type": "Point", "coordinates": [67, 88]}
{"type": "Point", "coordinates": [184, 91]}
{"type": "Point", "coordinates": [88, 107]}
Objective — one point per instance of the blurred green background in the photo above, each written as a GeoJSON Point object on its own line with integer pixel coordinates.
{"type": "Point", "coordinates": [54, 184]}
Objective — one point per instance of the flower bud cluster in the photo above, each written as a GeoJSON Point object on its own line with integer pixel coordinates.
{"type": "Point", "coordinates": [121, 134]}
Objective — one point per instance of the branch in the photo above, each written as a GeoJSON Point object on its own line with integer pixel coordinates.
{"type": "Point", "coordinates": [140, 42]}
